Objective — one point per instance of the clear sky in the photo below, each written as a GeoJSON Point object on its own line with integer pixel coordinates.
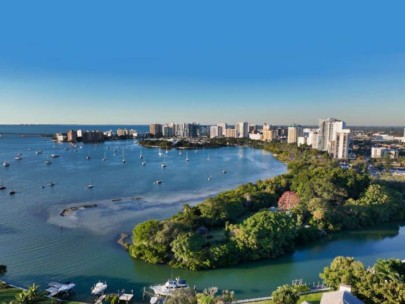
{"type": "Point", "coordinates": [135, 62]}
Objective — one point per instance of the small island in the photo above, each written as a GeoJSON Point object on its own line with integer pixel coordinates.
{"type": "Point", "coordinates": [269, 218]}
{"type": "Point", "coordinates": [70, 210]}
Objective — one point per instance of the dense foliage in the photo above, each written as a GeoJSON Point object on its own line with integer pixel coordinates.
{"type": "Point", "coordinates": [30, 296]}
{"type": "Point", "coordinates": [237, 226]}
{"type": "Point", "coordinates": [383, 283]}
{"type": "Point", "coordinates": [285, 294]}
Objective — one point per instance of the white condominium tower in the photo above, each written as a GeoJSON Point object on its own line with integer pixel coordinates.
{"type": "Point", "coordinates": [242, 129]}
{"type": "Point", "coordinates": [333, 137]}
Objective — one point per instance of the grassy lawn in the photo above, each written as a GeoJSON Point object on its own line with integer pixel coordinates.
{"type": "Point", "coordinates": [8, 294]}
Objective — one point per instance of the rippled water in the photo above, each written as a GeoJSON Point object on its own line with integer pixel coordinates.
{"type": "Point", "coordinates": [38, 245]}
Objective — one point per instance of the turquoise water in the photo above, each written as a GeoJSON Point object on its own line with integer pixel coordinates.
{"type": "Point", "coordinates": [38, 245]}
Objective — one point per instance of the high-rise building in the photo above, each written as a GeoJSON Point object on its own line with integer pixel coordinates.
{"type": "Point", "coordinates": [294, 131]}
{"type": "Point", "coordinates": [223, 125]}
{"type": "Point", "coordinates": [340, 146]}
{"type": "Point", "coordinates": [155, 129]}
{"type": "Point", "coordinates": [167, 130]}
{"type": "Point", "coordinates": [313, 138]}
{"type": "Point", "coordinates": [242, 129]}
{"type": "Point", "coordinates": [216, 131]}
{"type": "Point", "coordinates": [230, 132]}
{"type": "Point", "coordinates": [328, 129]}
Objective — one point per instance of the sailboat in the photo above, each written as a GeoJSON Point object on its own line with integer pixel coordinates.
{"type": "Point", "coordinates": [90, 185]}
{"type": "Point", "coordinates": [160, 152]}
{"type": "Point", "coordinates": [105, 157]}
{"type": "Point", "coordinates": [123, 156]}
{"type": "Point", "coordinates": [47, 162]}
{"type": "Point", "coordinates": [6, 164]}
{"type": "Point", "coordinates": [164, 165]}
{"type": "Point", "coordinates": [2, 187]}
{"type": "Point", "coordinates": [140, 155]}
{"type": "Point", "coordinates": [187, 159]}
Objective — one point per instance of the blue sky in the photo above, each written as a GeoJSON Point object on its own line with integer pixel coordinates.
{"type": "Point", "coordinates": [134, 62]}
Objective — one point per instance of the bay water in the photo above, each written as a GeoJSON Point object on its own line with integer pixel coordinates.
{"type": "Point", "coordinates": [39, 245]}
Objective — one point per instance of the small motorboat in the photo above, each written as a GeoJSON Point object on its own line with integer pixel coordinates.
{"type": "Point", "coordinates": [12, 192]}
{"type": "Point", "coordinates": [99, 288]}
{"type": "Point", "coordinates": [56, 288]}
{"type": "Point", "coordinates": [170, 286]}
{"type": "Point", "coordinates": [6, 164]}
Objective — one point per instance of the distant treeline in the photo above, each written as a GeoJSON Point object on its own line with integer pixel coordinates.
{"type": "Point", "coordinates": [269, 218]}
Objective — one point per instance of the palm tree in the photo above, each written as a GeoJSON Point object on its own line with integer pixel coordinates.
{"type": "Point", "coordinates": [388, 270]}
{"type": "Point", "coordinates": [30, 296]}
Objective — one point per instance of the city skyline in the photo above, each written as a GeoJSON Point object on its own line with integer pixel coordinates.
{"type": "Point", "coordinates": [209, 62]}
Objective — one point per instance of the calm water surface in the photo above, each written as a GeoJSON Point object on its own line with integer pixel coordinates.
{"type": "Point", "coordinates": [38, 245]}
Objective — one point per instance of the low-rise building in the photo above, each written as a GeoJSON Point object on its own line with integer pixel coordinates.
{"type": "Point", "coordinates": [382, 152]}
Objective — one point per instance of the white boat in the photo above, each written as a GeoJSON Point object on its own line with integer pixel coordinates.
{"type": "Point", "coordinates": [157, 300]}
{"type": "Point", "coordinates": [157, 182]}
{"type": "Point", "coordinates": [47, 162]}
{"type": "Point", "coordinates": [6, 164]}
{"type": "Point", "coordinates": [99, 288]}
{"type": "Point", "coordinates": [105, 157]}
{"type": "Point", "coordinates": [90, 185]}
{"type": "Point", "coordinates": [160, 152]}
{"type": "Point", "coordinates": [54, 155]}
{"type": "Point", "coordinates": [143, 163]}
{"type": "Point", "coordinates": [187, 159]}
{"type": "Point", "coordinates": [164, 165]}
{"type": "Point", "coordinates": [18, 157]}
{"type": "Point", "coordinates": [123, 156]}
{"type": "Point", "coordinates": [38, 152]}
{"type": "Point", "coordinates": [170, 286]}
{"type": "Point", "coordinates": [56, 288]}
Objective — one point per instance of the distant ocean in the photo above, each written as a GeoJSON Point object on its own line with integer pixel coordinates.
{"type": "Point", "coordinates": [51, 129]}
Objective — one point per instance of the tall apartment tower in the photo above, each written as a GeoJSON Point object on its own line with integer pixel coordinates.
{"type": "Point", "coordinates": [294, 131]}
{"type": "Point", "coordinates": [340, 146]}
{"type": "Point", "coordinates": [242, 129]}
{"type": "Point", "coordinates": [155, 129]}
{"type": "Point", "coordinates": [328, 128]}
{"type": "Point", "coordinates": [216, 131]}
{"type": "Point", "coordinates": [223, 125]}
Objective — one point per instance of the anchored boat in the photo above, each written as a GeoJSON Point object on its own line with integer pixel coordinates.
{"type": "Point", "coordinates": [170, 286]}
{"type": "Point", "coordinates": [99, 288]}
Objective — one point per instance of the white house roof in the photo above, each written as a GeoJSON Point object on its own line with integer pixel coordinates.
{"type": "Point", "coordinates": [339, 297]}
